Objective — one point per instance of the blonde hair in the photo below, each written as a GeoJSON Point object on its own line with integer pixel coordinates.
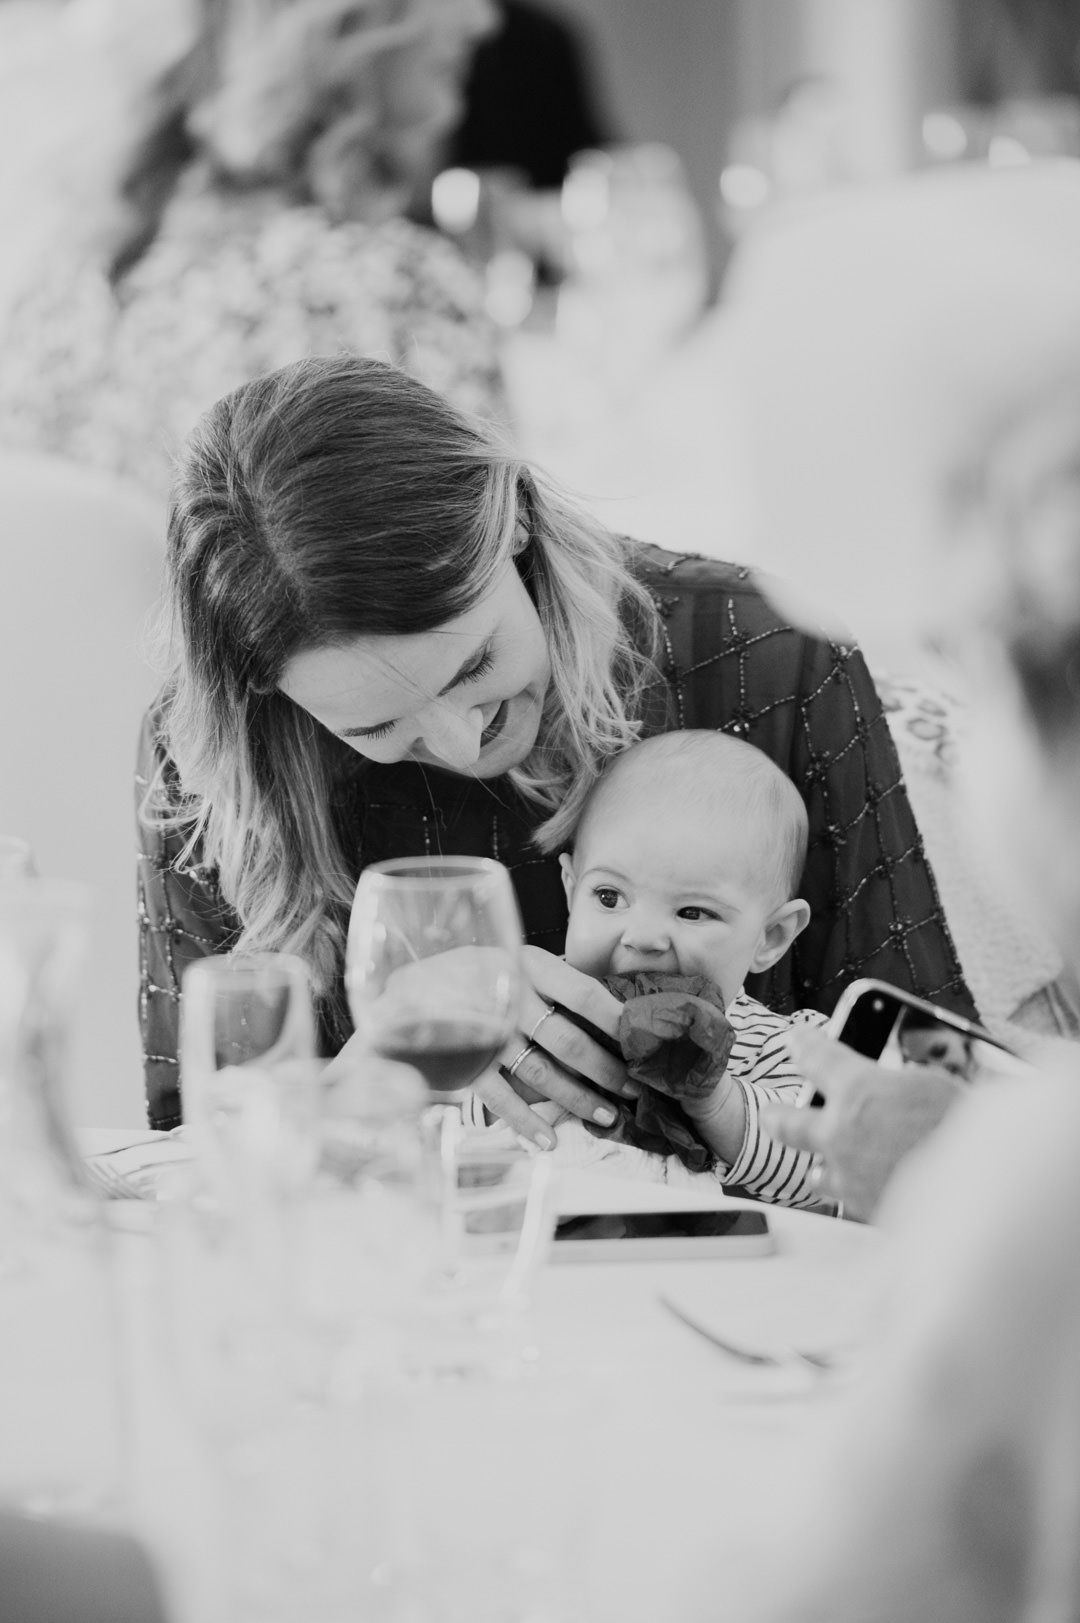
{"type": "Point", "coordinates": [338, 498]}
{"type": "Point", "coordinates": [297, 94]}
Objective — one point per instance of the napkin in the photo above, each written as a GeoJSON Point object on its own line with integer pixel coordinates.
{"type": "Point", "coordinates": [676, 1039]}
{"type": "Point", "coordinates": [136, 1171]}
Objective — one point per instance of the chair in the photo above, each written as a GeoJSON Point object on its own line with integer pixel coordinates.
{"type": "Point", "coordinates": [79, 570]}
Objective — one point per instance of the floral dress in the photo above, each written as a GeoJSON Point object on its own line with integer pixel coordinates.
{"type": "Point", "coordinates": [234, 285]}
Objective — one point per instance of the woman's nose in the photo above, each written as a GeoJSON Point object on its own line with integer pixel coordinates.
{"type": "Point", "coordinates": [452, 737]}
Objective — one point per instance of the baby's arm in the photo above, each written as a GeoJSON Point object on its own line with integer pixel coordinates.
{"type": "Point", "coordinates": [728, 1121]}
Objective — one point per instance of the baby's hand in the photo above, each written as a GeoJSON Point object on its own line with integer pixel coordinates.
{"type": "Point", "coordinates": [719, 1116]}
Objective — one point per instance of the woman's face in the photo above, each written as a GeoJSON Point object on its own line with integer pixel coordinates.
{"type": "Point", "coordinates": [466, 697]}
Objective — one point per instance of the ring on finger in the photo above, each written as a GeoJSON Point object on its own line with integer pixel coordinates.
{"type": "Point", "coordinates": [516, 1061]}
{"type": "Point", "coordinates": [549, 1008]}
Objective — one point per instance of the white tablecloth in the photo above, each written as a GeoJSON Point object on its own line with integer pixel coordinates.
{"type": "Point", "coordinates": [639, 1460]}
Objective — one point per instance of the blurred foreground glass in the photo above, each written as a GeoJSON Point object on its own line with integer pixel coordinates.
{"type": "Point", "coordinates": [433, 965]}
{"type": "Point", "coordinates": [495, 1214]}
{"type": "Point", "coordinates": [60, 1417]}
{"type": "Point", "coordinates": [251, 1083]}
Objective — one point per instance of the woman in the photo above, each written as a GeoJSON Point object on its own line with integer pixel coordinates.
{"type": "Point", "coordinates": [391, 637]}
{"type": "Point", "coordinates": [257, 216]}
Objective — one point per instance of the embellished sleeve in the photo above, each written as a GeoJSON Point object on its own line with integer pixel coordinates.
{"type": "Point", "coordinates": [731, 662]}
{"type": "Point", "coordinates": [181, 918]}
{"type": "Point", "coordinates": [875, 907]}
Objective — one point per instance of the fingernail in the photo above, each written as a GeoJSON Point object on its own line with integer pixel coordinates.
{"type": "Point", "coordinates": [605, 1115]}
{"type": "Point", "coordinates": [535, 1145]}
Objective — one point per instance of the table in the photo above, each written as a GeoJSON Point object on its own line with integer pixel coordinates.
{"type": "Point", "coordinates": [653, 1457]}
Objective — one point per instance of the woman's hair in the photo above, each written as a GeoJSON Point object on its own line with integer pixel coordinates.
{"type": "Point", "coordinates": [290, 93]}
{"type": "Point", "coordinates": [339, 498]}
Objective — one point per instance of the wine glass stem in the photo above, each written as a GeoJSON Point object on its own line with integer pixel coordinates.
{"type": "Point", "coordinates": [443, 1128]}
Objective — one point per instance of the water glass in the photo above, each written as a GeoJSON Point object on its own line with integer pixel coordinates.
{"type": "Point", "coordinates": [492, 1223]}
{"type": "Point", "coordinates": [60, 1375]}
{"type": "Point", "coordinates": [251, 1083]}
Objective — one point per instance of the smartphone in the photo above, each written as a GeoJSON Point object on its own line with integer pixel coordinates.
{"type": "Point", "coordinates": [898, 1029]}
{"type": "Point", "coordinates": [661, 1236]}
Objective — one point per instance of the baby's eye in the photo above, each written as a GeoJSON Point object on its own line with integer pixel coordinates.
{"type": "Point", "coordinates": [607, 896]}
{"type": "Point", "coordinates": [696, 914]}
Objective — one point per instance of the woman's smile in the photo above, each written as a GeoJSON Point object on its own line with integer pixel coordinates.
{"type": "Point", "coordinates": [466, 697]}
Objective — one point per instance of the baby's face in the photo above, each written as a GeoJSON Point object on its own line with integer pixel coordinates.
{"type": "Point", "coordinates": [675, 892]}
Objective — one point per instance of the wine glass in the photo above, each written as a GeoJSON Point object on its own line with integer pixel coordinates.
{"type": "Point", "coordinates": [249, 1074]}
{"type": "Point", "coordinates": [433, 969]}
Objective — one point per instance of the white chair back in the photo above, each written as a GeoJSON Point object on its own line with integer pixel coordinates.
{"type": "Point", "coordinates": [80, 564]}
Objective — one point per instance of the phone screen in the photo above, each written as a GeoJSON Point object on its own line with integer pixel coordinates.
{"type": "Point", "coordinates": [661, 1226]}
{"type": "Point", "coordinates": [898, 1031]}
{"type": "Point", "coordinates": [897, 1035]}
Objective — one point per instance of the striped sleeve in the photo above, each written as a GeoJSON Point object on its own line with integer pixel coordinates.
{"type": "Point", "coordinates": [763, 1072]}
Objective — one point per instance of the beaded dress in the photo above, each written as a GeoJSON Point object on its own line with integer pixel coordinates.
{"type": "Point", "coordinates": [727, 661]}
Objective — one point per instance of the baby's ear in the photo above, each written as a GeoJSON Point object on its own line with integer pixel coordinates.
{"type": "Point", "coordinates": [784, 924]}
{"type": "Point", "coordinates": [566, 863]}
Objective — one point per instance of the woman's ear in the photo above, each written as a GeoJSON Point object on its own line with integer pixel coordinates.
{"type": "Point", "coordinates": [782, 926]}
{"type": "Point", "coordinates": [566, 864]}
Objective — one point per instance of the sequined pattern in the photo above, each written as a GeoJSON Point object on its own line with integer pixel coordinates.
{"type": "Point", "coordinates": [729, 662]}
{"type": "Point", "coordinates": [235, 285]}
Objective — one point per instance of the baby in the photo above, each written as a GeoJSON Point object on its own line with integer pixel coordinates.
{"type": "Point", "coordinates": [686, 862]}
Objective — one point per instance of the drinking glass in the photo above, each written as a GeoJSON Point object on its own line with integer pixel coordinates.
{"type": "Point", "coordinates": [433, 965]}
{"type": "Point", "coordinates": [61, 1419]}
{"type": "Point", "coordinates": [250, 1078]}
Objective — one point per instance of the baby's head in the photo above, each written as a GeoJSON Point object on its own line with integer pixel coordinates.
{"type": "Point", "coordinates": [686, 861]}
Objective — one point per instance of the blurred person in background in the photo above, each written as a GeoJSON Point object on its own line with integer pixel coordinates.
{"type": "Point", "coordinates": [531, 101]}
{"type": "Point", "coordinates": [1008, 48]}
{"type": "Point", "coordinates": [949, 1487]}
{"type": "Point", "coordinates": [257, 216]}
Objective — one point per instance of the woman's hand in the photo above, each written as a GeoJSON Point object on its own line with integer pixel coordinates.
{"type": "Point", "coordinates": [554, 1059]}
{"type": "Point", "coordinates": [872, 1117]}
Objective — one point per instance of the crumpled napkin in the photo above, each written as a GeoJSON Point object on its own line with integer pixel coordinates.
{"type": "Point", "coordinates": [676, 1040]}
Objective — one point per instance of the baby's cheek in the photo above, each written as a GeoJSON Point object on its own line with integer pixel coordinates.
{"type": "Point", "coordinates": [700, 957]}
{"type": "Point", "coordinates": [590, 943]}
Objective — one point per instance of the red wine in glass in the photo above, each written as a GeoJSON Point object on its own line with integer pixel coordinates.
{"type": "Point", "coordinates": [449, 1053]}
{"type": "Point", "coordinates": [433, 965]}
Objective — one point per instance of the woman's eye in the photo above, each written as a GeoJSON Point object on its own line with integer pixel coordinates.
{"type": "Point", "coordinates": [376, 733]}
{"type": "Point", "coordinates": [481, 668]}
{"type": "Point", "coordinates": [696, 914]}
{"type": "Point", "coordinates": [607, 898]}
